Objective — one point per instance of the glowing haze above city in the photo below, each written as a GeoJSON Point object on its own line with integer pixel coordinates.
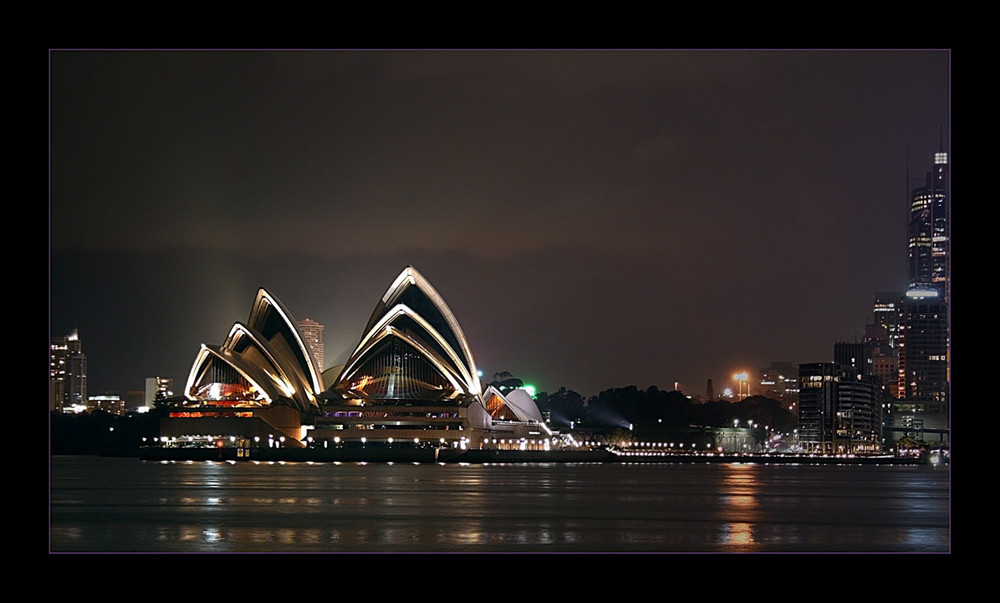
{"type": "Point", "coordinates": [594, 219]}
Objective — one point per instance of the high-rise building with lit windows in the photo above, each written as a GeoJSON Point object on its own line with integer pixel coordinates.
{"type": "Point", "coordinates": [924, 379]}
{"type": "Point", "coordinates": [929, 232]}
{"type": "Point", "coordinates": [312, 336]}
{"type": "Point", "coordinates": [885, 313]}
{"type": "Point", "coordinates": [923, 366]}
{"type": "Point", "coordinates": [67, 373]}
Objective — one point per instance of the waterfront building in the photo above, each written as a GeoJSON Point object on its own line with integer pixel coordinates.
{"type": "Point", "coordinates": [67, 373]}
{"type": "Point", "coordinates": [412, 377]}
{"type": "Point", "coordinates": [838, 414]}
{"type": "Point", "coordinates": [411, 381]}
{"type": "Point", "coordinates": [258, 386]}
{"type": "Point", "coordinates": [858, 418]}
{"type": "Point", "coordinates": [262, 362]}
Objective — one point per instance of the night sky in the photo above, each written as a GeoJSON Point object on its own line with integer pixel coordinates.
{"type": "Point", "coordinates": [594, 219]}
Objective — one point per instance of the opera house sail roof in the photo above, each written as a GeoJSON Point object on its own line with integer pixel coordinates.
{"type": "Point", "coordinates": [515, 405]}
{"type": "Point", "coordinates": [412, 348]}
{"type": "Point", "coordinates": [411, 375]}
{"type": "Point", "coordinates": [262, 362]}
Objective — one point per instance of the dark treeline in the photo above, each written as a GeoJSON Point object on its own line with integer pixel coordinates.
{"type": "Point", "coordinates": [100, 432]}
{"type": "Point", "coordinates": [631, 406]}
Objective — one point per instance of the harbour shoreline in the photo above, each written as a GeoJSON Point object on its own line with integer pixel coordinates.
{"type": "Point", "coordinates": [445, 455]}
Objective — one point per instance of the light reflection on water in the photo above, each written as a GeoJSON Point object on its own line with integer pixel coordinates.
{"type": "Point", "coordinates": [740, 485]}
{"type": "Point", "coordinates": [107, 504]}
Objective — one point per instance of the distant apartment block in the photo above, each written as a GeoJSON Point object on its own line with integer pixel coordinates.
{"type": "Point", "coordinates": [312, 336]}
{"type": "Point", "coordinates": [67, 373]}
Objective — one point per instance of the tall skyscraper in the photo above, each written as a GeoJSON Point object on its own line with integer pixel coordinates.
{"type": "Point", "coordinates": [67, 372]}
{"type": "Point", "coordinates": [924, 377]}
{"type": "Point", "coordinates": [929, 232]}
{"type": "Point", "coordinates": [312, 335]}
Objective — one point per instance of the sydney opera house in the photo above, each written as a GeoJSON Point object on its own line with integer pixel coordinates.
{"type": "Point", "coordinates": [411, 380]}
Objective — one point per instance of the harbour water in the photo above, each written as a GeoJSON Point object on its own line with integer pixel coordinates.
{"type": "Point", "coordinates": [103, 504]}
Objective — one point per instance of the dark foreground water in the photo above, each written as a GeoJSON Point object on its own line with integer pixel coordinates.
{"type": "Point", "coordinates": [117, 505]}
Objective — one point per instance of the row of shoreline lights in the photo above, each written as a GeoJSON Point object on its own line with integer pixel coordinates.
{"type": "Point", "coordinates": [463, 442]}
{"type": "Point", "coordinates": [273, 442]}
{"type": "Point", "coordinates": [692, 446]}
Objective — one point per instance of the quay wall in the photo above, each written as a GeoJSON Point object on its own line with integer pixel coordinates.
{"type": "Point", "coordinates": [446, 455]}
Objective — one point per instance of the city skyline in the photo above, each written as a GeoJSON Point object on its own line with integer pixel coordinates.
{"type": "Point", "coordinates": [594, 219]}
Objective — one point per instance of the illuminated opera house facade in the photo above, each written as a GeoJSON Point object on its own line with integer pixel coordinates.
{"type": "Point", "coordinates": [411, 380]}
